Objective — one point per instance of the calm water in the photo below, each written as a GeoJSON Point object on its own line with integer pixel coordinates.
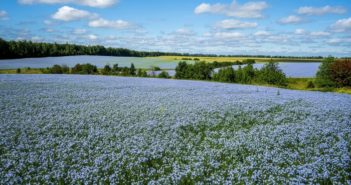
{"type": "Point", "coordinates": [293, 69]}
{"type": "Point", "coordinates": [99, 61]}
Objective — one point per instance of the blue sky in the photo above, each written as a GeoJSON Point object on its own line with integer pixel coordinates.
{"type": "Point", "coordinates": [272, 27]}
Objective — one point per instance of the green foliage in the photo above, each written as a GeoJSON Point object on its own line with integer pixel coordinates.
{"type": "Point", "coordinates": [272, 74]}
{"type": "Point", "coordinates": [324, 74]}
{"type": "Point", "coordinates": [56, 69]}
{"type": "Point", "coordinates": [24, 49]}
{"type": "Point", "coordinates": [155, 68]}
{"type": "Point", "coordinates": [310, 85]}
{"type": "Point", "coordinates": [84, 69]}
{"type": "Point", "coordinates": [197, 71]}
{"type": "Point", "coordinates": [246, 74]}
{"type": "Point", "coordinates": [225, 75]}
{"type": "Point", "coordinates": [341, 73]}
{"type": "Point", "coordinates": [181, 70]}
{"type": "Point", "coordinates": [18, 70]}
{"type": "Point", "coordinates": [132, 70]}
{"type": "Point", "coordinates": [164, 74]}
{"type": "Point", "coordinates": [115, 68]}
{"type": "Point", "coordinates": [141, 73]}
{"type": "Point", "coordinates": [107, 70]}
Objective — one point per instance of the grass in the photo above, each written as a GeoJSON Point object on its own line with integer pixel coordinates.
{"type": "Point", "coordinates": [234, 59]}
{"type": "Point", "coordinates": [23, 71]}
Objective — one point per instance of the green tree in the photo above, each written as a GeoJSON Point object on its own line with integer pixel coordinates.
{"type": "Point", "coordinates": [56, 69]}
{"type": "Point", "coordinates": [164, 74]}
{"type": "Point", "coordinates": [132, 70]}
{"type": "Point", "coordinates": [181, 70]}
{"type": "Point", "coordinates": [225, 75]}
{"type": "Point", "coordinates": [141, 73]}
{"type": "Point", "coordinates": [272, 74]}
{"type": "Point", "coordinates": [324, 74]}
{"type": "Point", "coordinates": [107, 70]}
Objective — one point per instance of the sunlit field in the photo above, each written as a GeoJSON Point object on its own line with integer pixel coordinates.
{"type": "Point", "coordinates": [234, 59]}
{"type": "Point", "coordinates": [114, 130]}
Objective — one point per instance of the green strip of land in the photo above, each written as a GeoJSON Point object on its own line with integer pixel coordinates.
{"type": "Point", "coordinates": [293, 83]}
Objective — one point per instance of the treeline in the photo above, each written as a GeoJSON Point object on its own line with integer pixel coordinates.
{"type": "Point", "coordinates": [25, 49]}
{"type": "Point", "coordinates": [269, 74]}
{"type": "Point", "coordinates": [334, 73]}
{"type": "Point", "coordinates": [89, 69]}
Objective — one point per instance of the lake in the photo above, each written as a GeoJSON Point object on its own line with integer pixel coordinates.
{"type": "Point", "coordinates": [99, 61]}
{"type": "Point", "coordinates": [291, 69]}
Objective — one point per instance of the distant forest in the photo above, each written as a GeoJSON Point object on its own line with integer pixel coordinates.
{"type": "Point", "coordinates": [26, 49]}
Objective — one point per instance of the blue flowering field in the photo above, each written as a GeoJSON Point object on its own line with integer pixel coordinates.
{"type": "Point", "coordinates": [60, 129]}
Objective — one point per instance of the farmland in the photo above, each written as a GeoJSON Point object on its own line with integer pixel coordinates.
{"type": "Point", "coordinates": [234, 59]}
{"type": "Point", "coordinates": [99, 129]}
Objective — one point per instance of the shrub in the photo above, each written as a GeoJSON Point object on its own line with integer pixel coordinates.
{"type": "Point", "coordinates": [132, 70]}
{"type": "Point", "coordinates": [84, 69]}
{"type": "Point", "coordinates": [340, 72]}
{"type": "Point", "coordinates": [65, 69]}
{"type": "Point", "coordinates": [141, 73]}
{"type": "Point", "coordinates": [56, 69]}
{"type": "Point", "coordinates": [107, 70]}
{"type": "Point", "coordinates": [155, 68]}
{"type": "Point", "coordinates": [164, 74]}
{"type": "Point", "coordinates": [324, 74]}
{"type": "Point", "coordinates": [115, 68]}
{"type": "Point", "coordinates": [225, 75]}
{"type": "Point", "coordinates": [310, 85]}
{"type": "Point", "coordinates": [18, 70]}
{"type": "Point", "coordinates": [272, 74]}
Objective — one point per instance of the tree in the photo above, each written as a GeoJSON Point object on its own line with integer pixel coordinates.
{"type": "Point", "coordinates": [107, 70]}
{"type": "Point", "coordinates": [115, 68]}
{"type": "Point", "coordinates": [65, 69]}
{"type": "Point", "coordinates": [272, 74]}
{"type": "Point", "coordinates": [341, 72]}
{"type": "Point", "coordinates": [141, 73]}
{"type": "Point", "coordinates": [225, 75]}
{"type": "Point", "coordinates": [56, 69]}
{"type": "Point", "coordinates": [324, 74]}
{"type": "Point", "coordinates": [132, 70]}
{"type": "Point", "coordinates": [181, 70]}
{"type": "Point", "coordinates": [164, 74]}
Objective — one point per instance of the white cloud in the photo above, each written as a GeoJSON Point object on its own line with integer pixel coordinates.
{"type": "Point", "coordinates": [92, 37]}
{"type": "Point", "coordinates": [228, 35]}
{"type": "Point", "coordinates": [319, 33]}
{"type": "Point", "coordinates": [307, 10]}
{"type": "Point", "coordinates": [292, 19]}
{"type": "Point", "coordinates": [234, 24]}
{"type": "Point", "coordinates": [247, 10]}
{"type": "Point", "coordinates": [338, 41]}
{"type": "Point", "coordinates": [116, 24]}
{"type": "Point", "coordinates": [262, 33]}
{"type": "Point", "coordinates": [79, 31]}
{"type": "Point", "coordinates": [184, 31]}
{"type": "Point", "coordinates": [299, 31]}
{"type": "Point", "coordinates": [342, 25]}
{"type": "Point", "coordinates": [91, 3]}
{"type": "Point", "coordinates": [67, 13]}
{"type": "Point", "coordinates": [3, 15]}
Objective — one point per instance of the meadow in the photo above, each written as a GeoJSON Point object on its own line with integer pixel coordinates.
{"type": "Point", "coordinates": [78, 129]}
{"type": "Point", "coordinates": [234, 59]}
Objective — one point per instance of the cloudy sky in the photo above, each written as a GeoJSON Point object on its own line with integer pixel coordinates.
{"type": "Point", "coordinates": [271, 27]}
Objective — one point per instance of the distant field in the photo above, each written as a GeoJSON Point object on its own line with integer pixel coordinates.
{"type": "Point", "coordinates": [234, 59]}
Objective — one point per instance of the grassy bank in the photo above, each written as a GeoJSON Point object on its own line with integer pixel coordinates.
{"type": "Point", "coordinates": [234, 59]}
{"type": "Point", "coordinates": [293, 83]}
